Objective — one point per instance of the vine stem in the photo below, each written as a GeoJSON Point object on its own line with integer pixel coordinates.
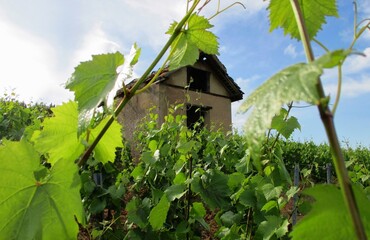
{"type": "Point", "coordinates": [131, 92]}
{"type": "Point", "coordinates": [328, 121]}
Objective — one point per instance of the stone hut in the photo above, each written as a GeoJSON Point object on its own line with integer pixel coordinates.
{"type": "Point", "coordinates": [205, 89]}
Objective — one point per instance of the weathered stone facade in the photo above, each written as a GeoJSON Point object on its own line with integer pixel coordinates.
{"type": "Point", "coordinates": [206, 85]}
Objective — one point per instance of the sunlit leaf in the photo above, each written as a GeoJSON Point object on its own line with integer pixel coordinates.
{"type": "Point", "coordinates": [91, 83]}
{"type": "Point", "coordinates": [37, 209]}
{"type": "Point", "coordinates": [186, 53]}
{"type": "Point", "coordinates": [59, 135]}
{"type": "Point", "coordinates": [158, 214]}
{"type": "Point", "coordinates": [285, 126]}
{"type": "Point", "coordinates": [106, 149]}
{"type": "Point", "coordinates": [295, 83]}
{"type": "Point", "coordinates": [329, 215]}
{"type": "Point", "coordinates": [314, 13]}
{"type": "Point", "coordinates": [198, 34]}
{"type": "Point", "coordinates": [125, 72]}
{"type": "Point", "coordinates": [192, 39]}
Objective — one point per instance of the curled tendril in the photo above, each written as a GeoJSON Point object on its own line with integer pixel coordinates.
{"type": "Point", "coordinates": [219, 10]}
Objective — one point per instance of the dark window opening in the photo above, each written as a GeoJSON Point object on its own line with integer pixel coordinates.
{"type": "Point", "coordinates": [198, 79]}
{"type": "Point", "coordinates": [196, 116]}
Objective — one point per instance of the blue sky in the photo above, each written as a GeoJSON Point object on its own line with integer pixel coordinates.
{"type": "Point", "coordinates": [43, 40]}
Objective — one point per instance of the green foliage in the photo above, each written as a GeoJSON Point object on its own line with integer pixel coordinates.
{"type": "Point", "coordinates": [329, 215]}
{"type": "Point", "coordinates": [314, 11]}
{"type": "Point", "coordinates": [106, 149]}
{"type": "Point", "coordinates": [192, 39]}
{"type": "Point", "coordinates": [183, 183]}
{"type": "Point", "coordinates": [213, 189]}
{"type": "Point", "coordinates": [94, 80]}
{"type": "Point", "coordinates": [18, 119]}
{"type": "Point", "coordinates": [295, 83]}
{"type": "Point", "coordinates": [62, 129]}
{"type": "Point", "coordinates": [37, 202]}
{"type": "Point", "coordinates": [284, 124]}
{"type": "Point", "coordinates": [158, 214]}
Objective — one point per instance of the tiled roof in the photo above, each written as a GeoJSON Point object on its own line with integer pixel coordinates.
{"type": "Point", "coordinates": [218, 68]}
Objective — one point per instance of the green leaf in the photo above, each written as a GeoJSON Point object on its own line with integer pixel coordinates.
{"type": "Point", "coordinates": [332, 59]}
{"type": "Point", "coordinates": [270, 205]}
{"type": "Point", "coordinates": [175, 191]}
{"type": "Point", "coordinates": [285, 126]}
{"type": "Point", "coordinates": [270, 191]}
{"type": "Point", "coordinates": [329, 217]}
{"type": "Point", "coordinates": [158, 215]}
{"type": "Point", "coordinates": [314, 14]}
{"type": "Point", "coordinates": [138, 211]}
{"type": "Point", "coordinates": [59, 135]}
{"type": "Point", "coordinates": [229, 218]}
{"type": "Point", "coordinates": [205, 40]}
{"type": "Point", "coordinates": [106, 149]}
{"type": "Point", "coordinates": [125, 72]}
{"type": "Point", "coordinates": [248, 198]}
{"type": "Point", "coordinates": [91, 83]}
{"type": "Point", "coordinates": [213, 188]}
{"type": "Point", "coordinates": [198, 212]}
{"type": "Point", "coordinates": [32, 209]}
{"type": "Point", "coordinates": [295, 83]}
{"type": "Point", "coordinates": [186, 53]}
{"type": "Point", "coordinates": [185, 147]}
{"type": "Point", "coordinates": [138, 172]}
{"type": "Point", "coordinates": [97, 205]}
{"type": "Point", "coordinates": [188, 43]}
{"type": "Point", "coordinates": [273, 225]}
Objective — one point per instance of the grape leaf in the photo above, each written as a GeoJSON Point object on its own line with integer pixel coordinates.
{"type": "Point", "coordinates": [196, 36]}
{"type": "Point", "coordinates": [198, 212]}
{"type": "Point", "coordinates": [186, 53]}
{"type": "Point", "coordinates": [91, 83]}
{"type": "Point", "coordinates": [314, 13]}
{"type": "Point", "coordinates": [158, 214]}
{"type": "Point", "coordinates": [106, 149]}
{"type": "Point", "coordinates": [125, 72]}
{"type": "Point", "coordinates": [93, 80]}
{"type": "Point", "coordinates": [285, 126]}
{"type": "Point", "coordinates": [205, 40]}
{"type": "Point", "coordinates": [175, 191]}
{"type": "Point", "coordinates": [59, 135]}
{"type": "Point", "coordinates": [273, 225]}
{"type": "Point", "coordinates": [294, 83]}
{"type": "Point", "coordinates": [138, 211]}
{"type": "Point", "coordinates": [213, 188]}
{"type": "Point", "coordinates": [329, 217]}
{"type": "Point", "coordinates": [35, 209]}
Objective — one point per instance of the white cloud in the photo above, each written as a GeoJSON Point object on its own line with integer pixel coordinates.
{"type": "Point", "coordinates": [28, 65]}
{"type": "Point", "coordinates": [291, 51]}
{"type": "Point", "coordinates": [356, 64]}
{"type": "Point", "coordinates": [351, 87]}
{"type": "Point", "coordinates": [356, 77]}
{"type": "Point", "coordinates": [236, 12]}
{"type": "Point", "coordinates": [94, 42]}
